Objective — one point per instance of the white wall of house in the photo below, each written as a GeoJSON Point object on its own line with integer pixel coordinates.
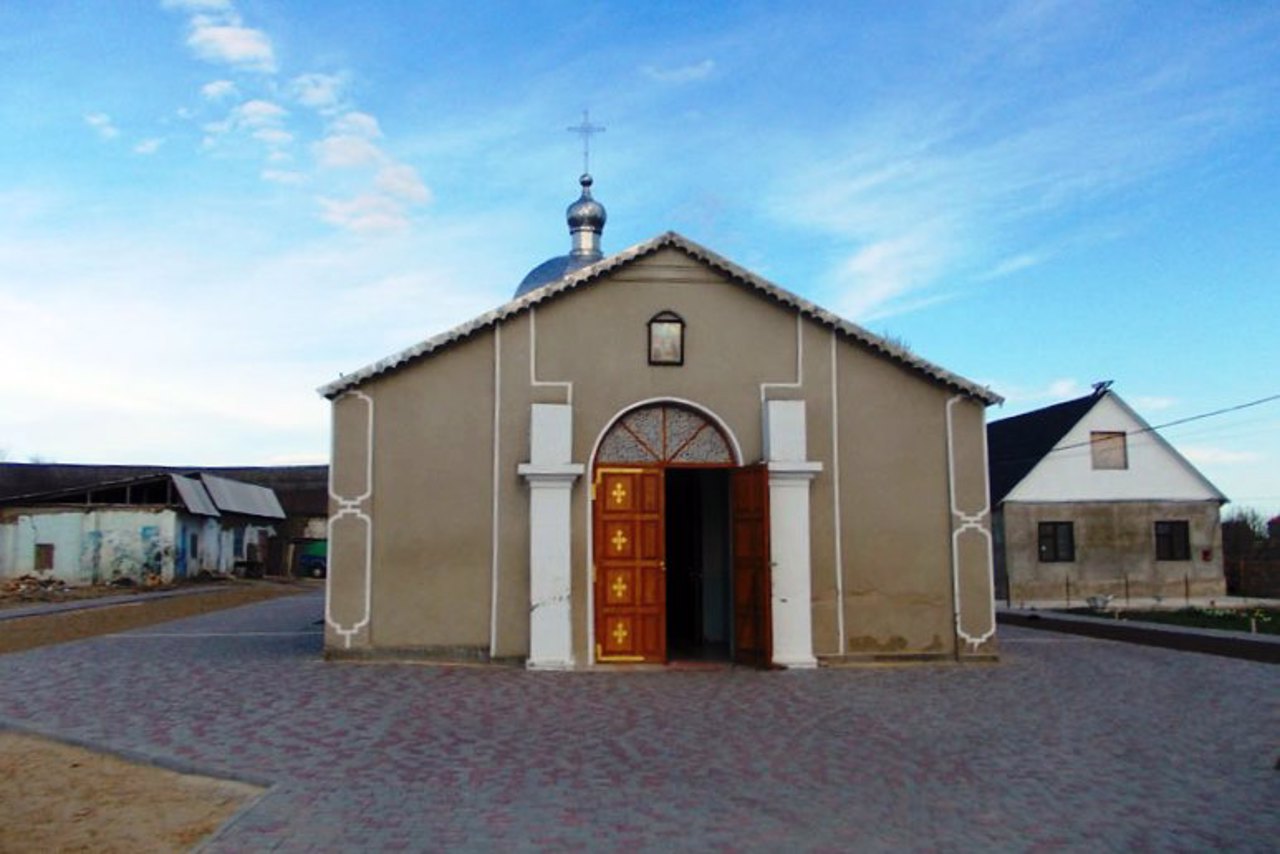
{"type": "Point", "coordinates": [89, 545]}
{"type": "Point", "coordinates": [1156, 472]}
{"type": "Point", "coordinates": [214, 548]}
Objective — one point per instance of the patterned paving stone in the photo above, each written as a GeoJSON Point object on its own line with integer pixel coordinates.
{"type": "Point", "coordinates": [1068, 744]}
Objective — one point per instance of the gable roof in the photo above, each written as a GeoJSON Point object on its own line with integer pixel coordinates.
{"type": "Point", "coordinates": [669, 240]}
{"type": "Point", "coordinates": [1015, 446]}
{"type": "Point", "coordinates": [301, 490]}
{"type": "Point", "coordinates": [198, 493]}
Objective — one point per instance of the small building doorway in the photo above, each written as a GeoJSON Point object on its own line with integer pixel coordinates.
{"type": "Point", "coordinates": [679, 534]}
{"type": "Point", "coordinates": [698, 572]}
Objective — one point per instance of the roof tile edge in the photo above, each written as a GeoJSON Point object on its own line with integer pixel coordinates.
{"type": "Point", "coordinates": [632, 253]}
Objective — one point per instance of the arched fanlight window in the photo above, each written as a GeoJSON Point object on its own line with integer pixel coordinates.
{"type": "Point", "coordinates": [666, 339]}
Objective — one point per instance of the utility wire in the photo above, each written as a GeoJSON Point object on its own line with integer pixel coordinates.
{"type": "Point", "coordinates": [1187, 420]}
{"type": "Point", "coordinates": [1154, 428]}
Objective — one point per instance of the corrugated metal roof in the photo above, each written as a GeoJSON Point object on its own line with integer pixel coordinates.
{"type": "Point", "coordinates": [194, 496]}
{"type": "Point", "coordinates": [234, 496]}
{"type": "Point", "coordinates": [670, 239]}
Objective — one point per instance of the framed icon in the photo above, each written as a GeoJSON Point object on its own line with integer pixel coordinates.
{"type": "Point", "coordinates": [666, 339]}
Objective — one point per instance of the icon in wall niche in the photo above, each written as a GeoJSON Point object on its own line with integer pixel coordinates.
{"type": "Point", "coordinates": [666, 339]}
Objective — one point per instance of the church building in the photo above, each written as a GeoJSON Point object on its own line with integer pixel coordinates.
{"type": "Point", "coordinates": [658, 456]}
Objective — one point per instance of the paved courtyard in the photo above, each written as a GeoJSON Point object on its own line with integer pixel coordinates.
{"type": "Point", "coordinates": [1068, 744]}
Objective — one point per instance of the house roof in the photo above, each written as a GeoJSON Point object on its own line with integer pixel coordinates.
{"type": "Point", "coordinates": [194, 495]}
{"type": "Point", "coordinates": [1016, 445]}
{"type": "Point", "coordinates": [234, 496]}
{"type": "Point", "coordinates": [301, 490]}
{"type": "Point", "coordinates": [201, 494]}
{"type": "Point", "coordinates": [670, 240]}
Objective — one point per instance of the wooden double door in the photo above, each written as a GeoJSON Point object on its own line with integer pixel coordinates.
{"type": "Point", "coordinates": [629, 547]}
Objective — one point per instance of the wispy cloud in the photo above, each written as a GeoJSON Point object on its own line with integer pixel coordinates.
{"type": "Point", "coordinates": [1009, 266]}
{"type": "Point", "coordinates": [259, 113]}
{"type": "Point", "coordinates": [395, 187]}
{"type": "Point", "coordinates": [197, 5]}
{"type": "Point", "coordinates": [1203, 455]}
{"type": "Point", "coordinates": [680, 74]}
{"type": "Point", "coordinates": [284, 176]}
{"type": "Point", "coordinates": [61, 291]}
{"type": "Point", "coordinates": [274, 137]}
{"type": "Point", "coordinates": [879, 274]}
{"type": "Point", "coordinates": [226, 41]}
{"type": "Point", "coordinates": [259, 119]}
{"type": "Point", "coordinates": [321, 92]}
{"type": "Point", "coordinates": [361, 186]}
{"type": "Point", "coordinates": [148, 146]}
{"type": "Point", "coordinates": [985, 165]}
{"type": "Point", "coordinates": [403, 182]}
{"type": "Point", "coordinates": [344, 151]}
{"type": "Point", "coordinates": [219, 89]}
{"type": "Point", "coordinates": [102, 123]}
{"type": "Point", "coordinates": [1148, 403]}
{"type": "Point", "coordinates": [1063, 388]}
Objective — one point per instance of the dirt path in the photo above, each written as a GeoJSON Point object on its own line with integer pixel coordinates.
{"type": "Point", "coordinates": [55, 797]}
{"type": "Point", "coordinates": [30, 632]}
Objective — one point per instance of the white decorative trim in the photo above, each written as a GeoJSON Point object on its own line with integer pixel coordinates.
{"type": "Point", "coordinates": [593, 272]}
{"type": "Point", "coordinates": [791, 599]}
{"type": "Point", "coordinates": [497, 449]}
{"type": "Point", "coordinates": [566, 473]}
{"type": "Point", "coordinates": [590, 502]}
{"type": "Point", "coordinates": [368, 462]}
{"type": "Point", "coordinates": [550, 563]}
{"type": "Point", "coordinates": [351, 507]}
{"type": "Point", "coordinates": [835, 493]}
{"type": "Point", "coordinates": [533, 362]}
{"type": "Point", "coordinates": [968, 522]}
{"type": "Point", "coordinates": [679, 401]}
{"type": "Point", "coordinates": [799, 381]}
{"type": "Point", "coordinates": [794, 470]}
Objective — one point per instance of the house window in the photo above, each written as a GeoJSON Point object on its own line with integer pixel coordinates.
{"type": "Point", "coordinates": [1057, 542]}
{"type": "Point", "coordinates": [666, 339]}
{"type": "Point", "coordinates": [44, 557]}
{"type": "Point", "coordinates": [1173, 541]}
{"type": "Point", "coordinates": [1109, 449]}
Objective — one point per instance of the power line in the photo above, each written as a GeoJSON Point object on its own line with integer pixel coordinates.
{"type": "Point", "coordinates": [1149, 429]}
{"type": "Point", "coordinates": [1175, 422]}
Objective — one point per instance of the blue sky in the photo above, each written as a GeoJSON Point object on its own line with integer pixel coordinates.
{"type": "Point", "coordinates": [210, 207]}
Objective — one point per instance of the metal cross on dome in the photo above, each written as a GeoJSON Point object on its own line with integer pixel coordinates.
{"type": "Point", "coordinates": [586, 130]}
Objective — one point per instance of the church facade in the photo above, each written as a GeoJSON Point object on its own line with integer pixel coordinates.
{"type": "Point", "coordinates": [658, 456]}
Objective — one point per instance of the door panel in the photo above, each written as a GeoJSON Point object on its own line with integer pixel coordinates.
{"type": "Point", "coordinates": [752, 581]}
{"type": "Point", "coordinates": [630, 594]}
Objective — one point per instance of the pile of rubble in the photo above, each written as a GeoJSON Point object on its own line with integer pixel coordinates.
{"type": "Point", "coordinates": [34, 587]}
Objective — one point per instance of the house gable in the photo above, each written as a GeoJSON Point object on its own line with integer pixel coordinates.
{"type": "Point", "coordinates": [1155, 471]}
{"type": "Point", "coordinates": [614, 268]}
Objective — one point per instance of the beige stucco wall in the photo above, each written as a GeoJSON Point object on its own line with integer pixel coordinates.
{"type": "Point", "coordinates": [1113, 541]}
{"type": "Point", "coordinates": [435, 470]}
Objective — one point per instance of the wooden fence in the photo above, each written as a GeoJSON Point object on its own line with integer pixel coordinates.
{"type": "Point", "coordinates": [1253, 577]}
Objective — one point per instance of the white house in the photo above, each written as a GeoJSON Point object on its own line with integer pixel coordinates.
{"type": "Point", "coordinates": [1089, 500]}
{"type": "Point", "coordinates": [164, 526]}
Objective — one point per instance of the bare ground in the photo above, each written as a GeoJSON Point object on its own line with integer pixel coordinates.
{"type": "Point", "coordinates": [55, 797]}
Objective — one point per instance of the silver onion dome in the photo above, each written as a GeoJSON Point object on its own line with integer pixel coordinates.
{"type": "Point", "coordinates": [586, 218]}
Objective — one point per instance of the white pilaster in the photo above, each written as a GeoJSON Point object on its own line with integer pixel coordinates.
{"type": "Point", "coordinates": [550, 474]}
{"type": "Point", "coordinates": [790, 475]}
